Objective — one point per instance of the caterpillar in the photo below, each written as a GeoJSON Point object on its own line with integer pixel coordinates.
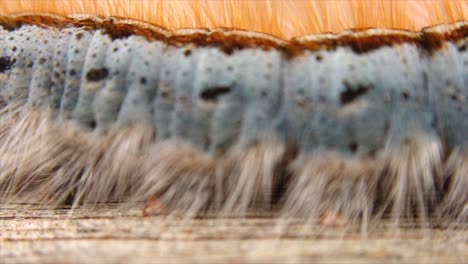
{"type": "Point", "coordinates": [361, 124]}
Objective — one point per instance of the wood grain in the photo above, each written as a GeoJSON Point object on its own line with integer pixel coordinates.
{"type": "Point", "coordinates": [117, 233]}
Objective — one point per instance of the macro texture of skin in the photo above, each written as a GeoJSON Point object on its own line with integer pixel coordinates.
{"type": "Point", "coordinates": [353, 126]}
{"type": "Point", "coordinates": [229, 122]}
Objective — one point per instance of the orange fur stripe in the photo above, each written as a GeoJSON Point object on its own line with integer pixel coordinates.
{"type": "Point", "coordinates": [283, 18]}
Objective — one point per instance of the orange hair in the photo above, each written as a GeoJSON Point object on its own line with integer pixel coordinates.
{"type": "Point", "coordinates": [282, 18]}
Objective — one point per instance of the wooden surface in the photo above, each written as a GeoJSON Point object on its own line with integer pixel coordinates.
{"type": "Point", "coordinates": [116, 233]}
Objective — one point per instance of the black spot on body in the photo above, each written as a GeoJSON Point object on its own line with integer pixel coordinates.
{"type": "Point", "coordinates": [5, 64]}
{"type": "Point", "coordinates": [72, 72]}
{"type": "Point", "coordinates": [228, 50]}
{"type": "Point", "coordinates": [351, 93]}
{"type": "Point", "coordinates": [143, 80]}
{"type": "Point", "coordinates": [454, 97]}
{"type": "Point", "coordinates": [353, 146]}
{"type": "Point", "coordinates": [462, 48]}
{"type": "Point", "coordinates": [14, 49]}
{"type": "Point", "coordinates": [187, 52]}
{"type": "Point", "coordinates": [41, 61]}
{"type": "Point", "coordinates": [164, 94]}
{"type": "Point", "coordinates": [92, 124]}
{"type": "Point", "coordinates": [95, 75]}
{"type": "Point", "coordinates": [79, 36]}
{"type": "Point", "coordinates": [405, 95]}
{"type": "Point", "coordinates": [212, 94]}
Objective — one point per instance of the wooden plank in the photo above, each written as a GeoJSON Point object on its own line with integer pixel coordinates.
{"type": "Point", "coordinates": [117, 233]}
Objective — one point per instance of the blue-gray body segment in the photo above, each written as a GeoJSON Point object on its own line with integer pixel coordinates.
{"type": "Point", "coordinates": [76, 55]}
{"type": "Point", "coordinates": [164, 99]}
{"type": "Point", "coordinates": [59, 71]}
{"type": "Point", "coordinates": [182, 114]}
{"type": "Point", "coordinates": [93, 79]}
{"type": "Point", "coordinates": [109, 99]}
{"type": "Point", "coordinates": [42, 72]}
{"type": "Point", "coordinates": [142, 82]}
{"type": "Point", "coordinates": [337, 99]}
{"type": "Point", "coordinates": [448, 82]}
{"type": "Point", "coordinates": [22, 49]}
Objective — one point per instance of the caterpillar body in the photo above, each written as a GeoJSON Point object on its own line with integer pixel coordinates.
{"type": "Point", "coordinates": [361, 124]}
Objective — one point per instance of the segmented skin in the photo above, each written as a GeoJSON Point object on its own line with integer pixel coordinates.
{"type": "Point", "coordinates": [313, 94]}
{"type": "Point", "coordinates": [337, 99]}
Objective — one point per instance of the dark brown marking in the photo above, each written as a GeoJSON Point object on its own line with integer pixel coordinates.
{"type": "Point", "coordinates": [212, 94]}
{"type": "Point", "coordinates": [122, 28]}
{"type": "Point", "coordinates": [95, 75]}
{"type": "Point", "coordinates": [351, 93]}
{"type": "Point", "coordinates": [79, 36]}
{"type": "Point", "coordinates": [5, 64]}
